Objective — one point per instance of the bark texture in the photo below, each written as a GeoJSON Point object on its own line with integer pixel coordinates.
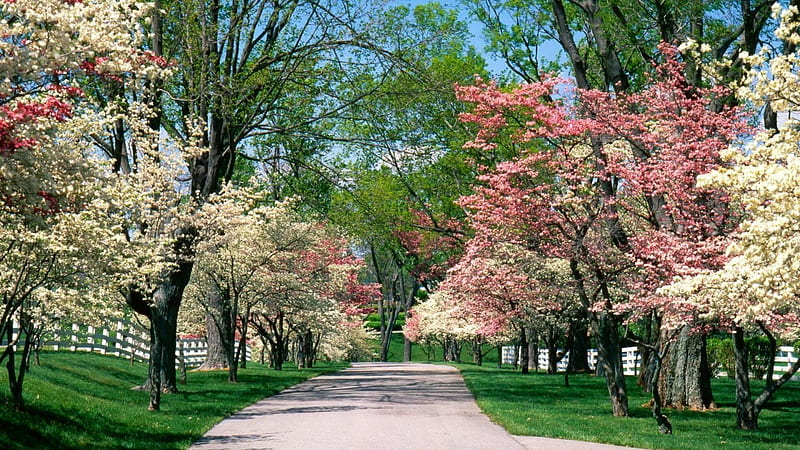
{"type": "Point", "coordinates": [685, 379]}
{"type": "Point", "coordinates": [215, 358]}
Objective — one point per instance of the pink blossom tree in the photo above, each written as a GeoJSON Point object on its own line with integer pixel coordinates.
{"type": "Point", "coordinates": [607, 183]}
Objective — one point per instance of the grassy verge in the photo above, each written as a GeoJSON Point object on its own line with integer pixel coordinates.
{"type": "Point", "coordinates": [540, 405]}
{"type": "Point", "coordinates": [77, 400]}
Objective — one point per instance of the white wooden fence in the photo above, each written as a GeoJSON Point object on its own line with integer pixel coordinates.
{"type": "Point", "coordinates": [124, 339]}
{"type": "Point", "coordinates": [632, 361]}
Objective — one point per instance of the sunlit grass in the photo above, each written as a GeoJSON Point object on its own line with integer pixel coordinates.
{"type": "Point", "coordinates": [541, 405]}
{"type": "Point", "coordinates": [77, 400]}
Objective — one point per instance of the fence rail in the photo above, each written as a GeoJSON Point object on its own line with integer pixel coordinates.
{"type": "Point", "coordinates": [785, 356]}
{"type": "Point", "coordinates": [121, 338]}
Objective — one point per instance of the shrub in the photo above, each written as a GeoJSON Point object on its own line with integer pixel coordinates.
{"type": "Point", "coordinates": [721, 357]}
{"type": "Point", "coordinates": [374, 322]}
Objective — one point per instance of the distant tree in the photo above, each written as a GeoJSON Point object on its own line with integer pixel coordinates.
{"type": "Point", "coordinates": [406, 165]}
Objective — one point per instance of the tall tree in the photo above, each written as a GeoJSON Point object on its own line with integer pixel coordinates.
{"type": "Point", "coordinates": [406, 160]}
{"type": "Point", "coordinates": [244, 70]}
{"type": "Point", "coordinates": [554, 198]}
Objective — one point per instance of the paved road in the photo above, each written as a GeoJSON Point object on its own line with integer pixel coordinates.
{"type": "Point", "coordinates": [373, 406]}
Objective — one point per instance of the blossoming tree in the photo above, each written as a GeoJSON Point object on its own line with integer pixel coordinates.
{"type": "Point", "coordinates": [757, 287]}
{"type": "Point", "coordinates": [292, 279]}
{"type": "Point", "coordinates": [58, 217]}
{"type": "Point", "coordinates": [606, 182]}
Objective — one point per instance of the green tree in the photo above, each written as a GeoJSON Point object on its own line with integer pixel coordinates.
{"type": "Point", "coordinates": [406, 164]}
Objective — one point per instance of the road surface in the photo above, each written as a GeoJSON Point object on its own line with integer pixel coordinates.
{"type": "Point", "coordinates": [374, 406]}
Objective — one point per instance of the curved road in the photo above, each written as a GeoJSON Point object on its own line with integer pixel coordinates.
{"type": "Point", "coordinates": [373, 406]}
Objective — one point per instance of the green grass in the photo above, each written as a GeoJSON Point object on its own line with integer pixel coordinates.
{"type": "Point", "coordinates": [78, 400]}
{"type": "Point", "coordinates": [540, 405]}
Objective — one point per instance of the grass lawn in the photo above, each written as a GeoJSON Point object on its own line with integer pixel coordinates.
{"type": "Point", "coordinates": [540, 405]}
{"type": "Point", "coordinates": [80, 400]}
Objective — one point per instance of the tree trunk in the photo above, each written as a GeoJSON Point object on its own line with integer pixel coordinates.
{"type": "Point", "coordinates": [241, 354]}
{"type": "Point", "coordinates": [452, 350]}
{"type": "Point", "coordinates": [477, 351]}
{"type": "Point", "coordinates": [172, 297]}
{"type": "Point", "coordinates": [610, 362]}
{"type": "Point", "coordinates": [746, 411]}
{"type": "Point", "coordinates": [685, 379]}
{"type": "Point", "coordinates": [215, 356]}
{"type": "Point", "coordinates": [277, 357]}
{"type": "Point", "coordinates": [664, 425]}
{"type": "Point", "coordinates": [16, 377]}
{"type": "Point", "coordinates": [534, 351]}
{"type": "Point", "coordinates": [525, 356]}
{"type": "Point", "coordinates": [406, 349]}
{"type": "Point", "coordinates": [154, 372]}
{"type": "Point", "coordinates": [552, 352]}
{"type": "Point", "coordinates": [162, 311]}
{"type": "Point", "coordinates": [305, 350]}
{"type": "Point", "coordinates": [579, 350]}
{"type": "Point", "coordinates": [388, 319]}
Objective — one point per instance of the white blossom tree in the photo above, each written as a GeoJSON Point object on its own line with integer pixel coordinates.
{"type": "Point", "coordinates": [292, 279]}
{"type": "Point", "coordinates": [59, 221]}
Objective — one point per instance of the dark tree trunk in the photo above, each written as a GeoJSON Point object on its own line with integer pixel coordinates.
{"type": "Point", "coordinates": [685, 379]}
{"type": "Point", "coordinates": [477, 351]}
{"type": "Point", "coordinates": [16, 376]}
{"type": "Point", "coordinates": [305, 350]}
{"type": "Point", "coordinates": [278, 355]}
{"type": "Point", "coordinates": [664, 425]}
{"type": "Point", "coordinates": [162, 311]}
{"type": "Point", "coordinates": [275, 357]}
{"type": "Point", "coordinates": [525, 356]}
{"type": "Point", "coordinates": [579, 348]}
{"type": "Point", "coordinates": [452, 350]}
{"type": "Point", "coordinates": [241, 353]}
{"type": "Point", "coordinates": [271, 331]}
{"type": "Point", "coordinates": [746, 411]}
{"type": "Point", "coordinates": [610, 362]}
{"type": "Point", "coordinates": [552, 352]}
{"type": "Point", "coordinates": [388, 318]}
{"type": "Point", "coordinates": [167, 301]}
{"type": "Point", "coordinates": [499, 356]}
{"type": "Point", "coordinates": [154, 373]}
